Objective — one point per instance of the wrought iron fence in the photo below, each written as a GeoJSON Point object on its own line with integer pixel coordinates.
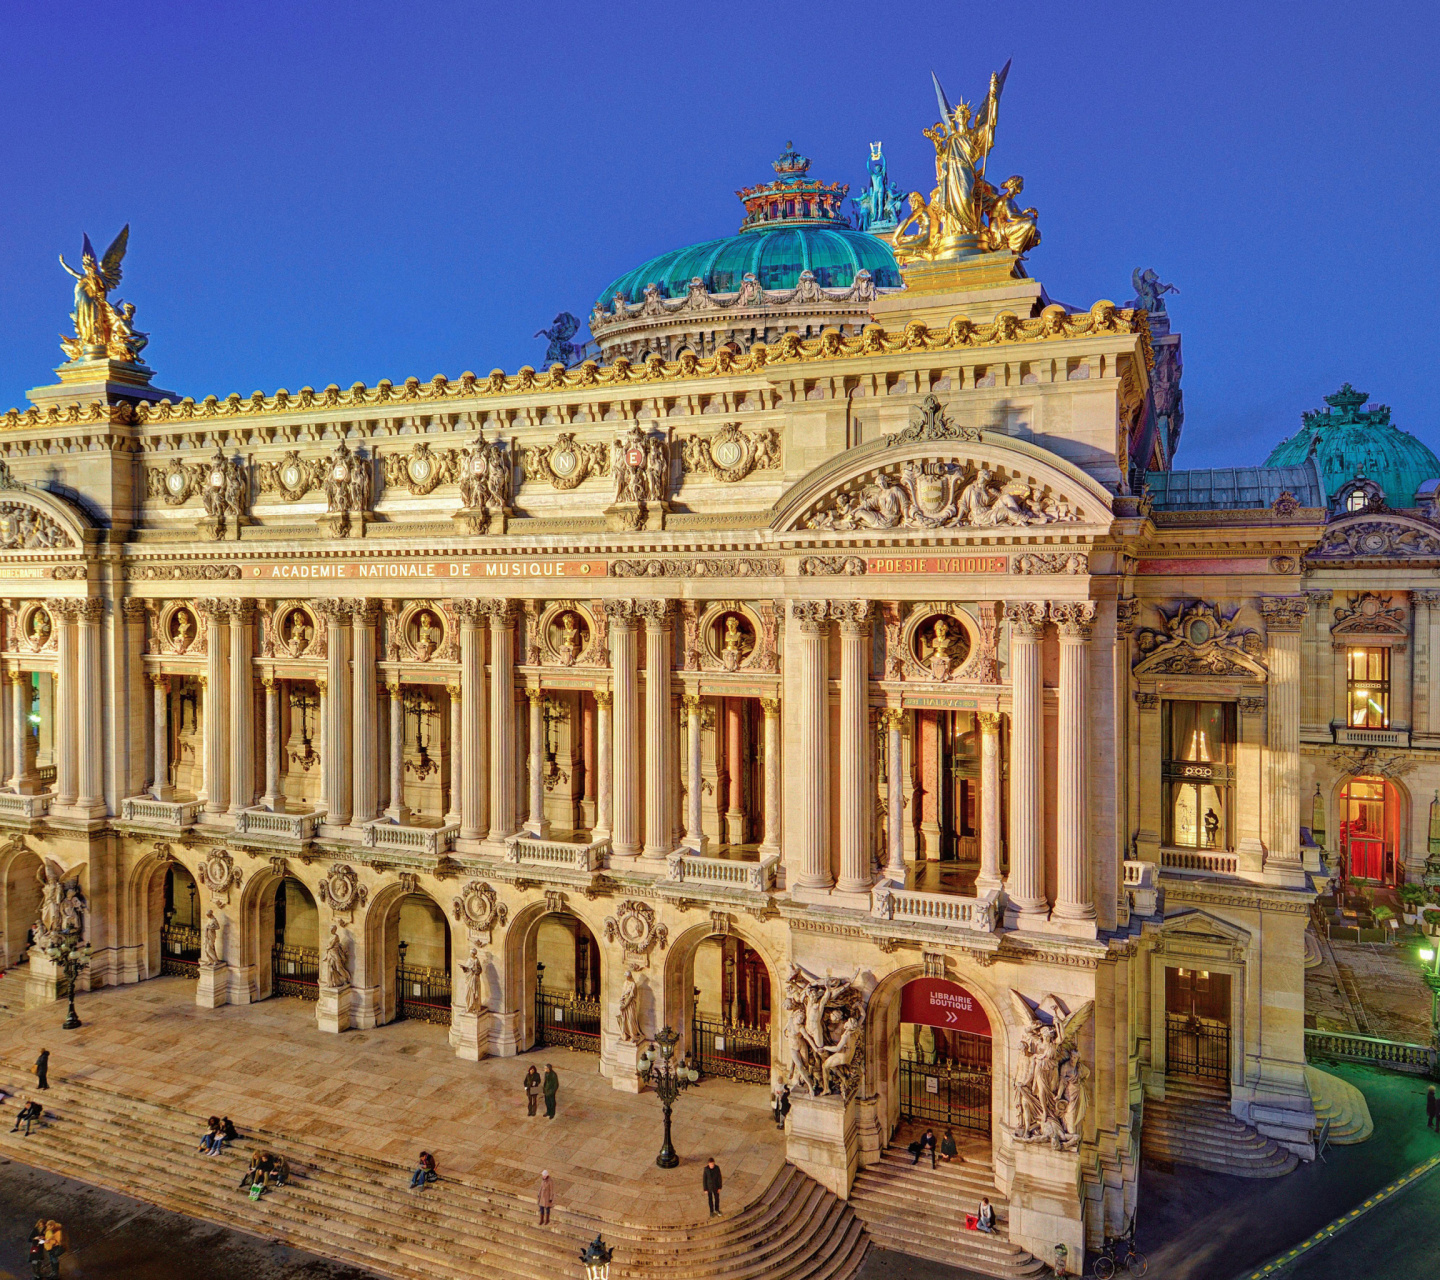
{"type": "Point", "coordinates": [294, 971]}
{"type": "Point", "coordinates": [734, 1052]}
{"type": "Point", "coordinates": [564, 1019]}
{"type": "Point", "coordinates": [179, 951]}
{"type": "Point", "coordinates": [1198, 1047]}
{"type": "Point", "coordinates": [422, 994]}
{"type": "Point", "coordinates": [955, 1095]}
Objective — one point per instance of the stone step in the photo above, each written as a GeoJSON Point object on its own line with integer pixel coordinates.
{"type": "Point", "coordinates": [1206, 1135]}
{"type": "Point", "coordinates": [1342, 1104]}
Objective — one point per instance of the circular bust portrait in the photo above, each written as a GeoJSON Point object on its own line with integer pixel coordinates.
{"type": "Point", "coordinates": [297, 631]}
{"type": "Point", "coordinates": [568, 636]}
{"type": "Point", "coordinates": [733, 639]}
{"type": "Point", "coordinates": [941, 645]}
{"type": "Point", "coordinates": [425, 634]}
{"type": "Point", "coordinates": [182, 629]}
{"type": "Point", "coordinates": [39, 628]}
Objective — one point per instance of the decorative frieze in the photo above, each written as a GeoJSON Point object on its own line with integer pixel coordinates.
{"type": "Point", "coordinates": [730, 454]}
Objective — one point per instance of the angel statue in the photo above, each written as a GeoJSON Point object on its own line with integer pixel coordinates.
{"type": "Point", "coordinates": [93, 283]}
{"type": "Point", "coordinates": [962, 145]}
{"type": "Point", "coordinates": [561, 350]}
{"type": "Point", "coordinates": [1051, 1083]}
{"type": "Point", "coordinates": [1150, 292]}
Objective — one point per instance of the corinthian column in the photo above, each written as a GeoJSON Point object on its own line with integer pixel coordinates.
{"type": "Point", "coordinates": [695, 837]}
{"type": "Point", "coordinates": [989, 878]}
{"type": "Point", "coordinates": [91, 709]}
{"type": "Point", "coordinates": [603, 784]}
{"type": "Point", "coordinates": [63, 728]}
{"type": "Point", "coordinates": [659, 824]}
{"type": "Point", "coordinates": [1284, 618]}
{"type": "Point", "coordinates": [365, 722]}
{"type": "Point", "coordinates": [625, 834]}
{"type": "Point", "coordinates": [813, 765]}
{"type": "Point", "coordinates": [857, 804]}
{"type": "Point", "coordinates": [473, 735]}
{"type": "Point", "coordinates": [335, 759]}
{"type": "Point", "coordinates": [1075, 899]}
{"type": "Point", "coordinates": [537, 826]}
{"type": "Point", "coordinates": [771, 841]}
{"type": "Point", "coordinates": [217, 735]}
{"type": "Point", "coordinates": [242, 706]}
{"type": "Point", "coordinates": [893, 718]}
{"type": "Point", "coordinates": [457, 752]}
{"type": "Point", "coordinates": [272, 799]}
{"type": "Point", "coordinates": [502, 719]}
{"type": "Point", "coordinates": [23, 780]}
{"type": "Point", "coordinates": [398, 810]}
{"type": "Point", "coordinates": [1027, 762]}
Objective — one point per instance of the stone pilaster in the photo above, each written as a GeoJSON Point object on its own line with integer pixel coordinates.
{"type": "Point", "coordinates": [90, 709]}
{"type": "Point", "coordinates": [1026, 887]}
{"type": "Point", "coordinates": [161, 787]}
{"type": "Point", "coordinates": [893, 718]}
{"type": "Point", "coordinates": [335, 755]}
{"type": "Point", "coordinates": [502, 719]}
{"type": "Point", "coordinates": [398, 810]}
{"type": "Point", "coordinates": [459, 762]}
{"type": "Point", "coordinates": [67, 784]}
{"type": "Point", "coordinates": [272, 799]}
{"type": "Point", "coordinates": [659, 824]}
{"type": "Point", "coordinates": [1075, 899]}
{"type": "Point", "coordinates": [695, 837]}
{"type": "Point", "coordinates": [989, 878]}
{"type": "Point", "coordinates": [625, 832]}
{"type": "Point", "coordinates": [242, 705]}
{"type": "Point", "coordinates": [217, 691]}
{"type": "Point", "coordinates": [474, 737]}
{"type": "Point", "coordinates": [813, 765]}
{"type": "Point", "coordinates": [770, 842]}
{"type": "Point", "coordinates": [537, 825]}
{"type": "Point", "coordinates": [365, 715]}
{"type": "Point", "coordinates": [1284, 618]}
{"type": "Point", "coordinates": [857, 801]}
{"type": "Point", "coordinates": [604, 787]}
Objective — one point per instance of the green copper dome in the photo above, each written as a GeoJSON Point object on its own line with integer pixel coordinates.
{"type": "Point", "coordinates": [1351, 441]}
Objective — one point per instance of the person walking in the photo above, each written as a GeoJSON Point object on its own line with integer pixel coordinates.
{"type": "Point", "coordinates": [42, 1069]}
{"type": "Point", "coordinates": [1432, 1109]}
{"type": "Point", "coordinates": [532, 1089]}
{"type": "Point", "coordinates": [782, 1105]}
{"type": "Point", "coordinates": [551, 1087]}
{"type": "Point", "coordinates": [37, 1249]}
{"type": "Point", "coordinates": [711, 1180]}
{"type": "Point", "coordinates": [54, 1246]}
{"type": "Point", "coordinates": [545, 1197]}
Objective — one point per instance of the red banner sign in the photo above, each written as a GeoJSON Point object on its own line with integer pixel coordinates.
{"type": "Point", "coordinates": [937, 1002]}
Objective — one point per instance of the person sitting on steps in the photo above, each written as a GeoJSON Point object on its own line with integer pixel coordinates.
{"type": "Point", "coordinates": [985, 1218]}
{"type": "Point", "coordinates": [424, 1173]}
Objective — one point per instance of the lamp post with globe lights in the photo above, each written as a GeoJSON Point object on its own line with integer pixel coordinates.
{"type": "Point", "coordinates": [71, 952]}
{"type": "Point", "coordinates": [596, 1256]}
{"type": "Point", "coordinates": [669, 1079]}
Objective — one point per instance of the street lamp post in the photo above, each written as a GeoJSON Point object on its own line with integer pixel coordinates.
{"type": "Point", "coordinates": [72, 953]}
{"type": "Point", "coordinates": [596, 1256]}
{"type": "Point", "coordinates": [670, 1079]}
{"type": "Point", "coordinates": [1430, 971]}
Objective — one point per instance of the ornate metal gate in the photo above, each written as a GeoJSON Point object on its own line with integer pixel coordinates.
{"type": "Point", "coordinates": [1196, 1046]}
{"type": "Point", "coordinates": [562, 1018]}
{"type": "Point", "coordinates": [294, 971]}
{"type": "Point", "coordinates": [949, 1094]}
{"type": "Point", "coordinates": [179, 951]}
{"type": "Point", "coordinates": [737, 1053]}
{"type": "Point", "coordinates": [422, 994]}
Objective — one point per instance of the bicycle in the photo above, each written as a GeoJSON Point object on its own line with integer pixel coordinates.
{"type": "Point", "coordinates": [1120, 1251]}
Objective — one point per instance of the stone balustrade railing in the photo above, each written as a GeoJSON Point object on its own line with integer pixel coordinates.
{"type": "Point", "coordinates": [1202, 860]}
{"type": "Point", "coordinates": [527, 851]}
{"type": "Point", "coordinates": [288, 826]}
{"type": "Point", "coordinates": [175, 814]}
{"type": "Point", "coordinates": [1419, 1059]}
{"type": "Point", "coordinates": [13, 806]}
{"type": "Point", "coordinates": [1142, 886]}
{"type": "Point", "coordinates": [727, 873]}
{"type": "Point", "coordinates": [429, 840]}
{"type": "Point", "coordinates": [980, 915]}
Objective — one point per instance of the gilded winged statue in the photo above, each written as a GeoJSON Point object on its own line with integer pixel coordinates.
{"type": "Point", "coordinates": [94, 282]}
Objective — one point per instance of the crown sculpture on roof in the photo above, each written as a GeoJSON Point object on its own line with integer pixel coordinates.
{"type": "Point", "coordinates": [965, 214]}
{"type": "Point", "coordinates": [103, 329]}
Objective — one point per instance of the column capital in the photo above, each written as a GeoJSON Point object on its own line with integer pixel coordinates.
{"type": "Point", "coordinates": [852, 615]}
{"type": "Point", "coordinates": [453, 688]}
{"type": "Point", "coordinates": [503, 613]}
{"type": "Point", "coordinates": [393, 686]}
{"type": "Point", "coordinates": [157, 678]}
{"type": "Point", "coordinates": [1074, 618]}
{"type": "Point", "coordinates": [894, 718]}
{"type": "Point", "coordinates": [602, 697]}
{"type": "Point", "coordinates": [211, 608]}
{"type": "Point", "coordinates": [66, 610]}
{"type": "Point", "coordinates": [471, 612]}
{"type": "Point", "coordinates": [202, 680]}
{"type": "Point", "coordinates": [1432, 598]}
{"type": "Point", "coordinates": [989, 721]}
{"type": "Point", "coordinates": [335, 612]}
{"type": "Point", "coordinates": [365, 613]}
{"type": "Point", "coordinates": [322, 684]}
{"type": "Point", "coordinates": [17, 676]}
{"type": "Point", "coordinates": [133, 608]}
{"type": "Point", "coordinates": [1284, 613]}
{"type": "Point", "coordinates": [656, 611]}
{"type": "Point", "coordinates": [269, 681]}
{"type": "Point", "coordinates": [770, 706]}
{"type": "Point", "coordinates": [534, 695]}
{"type": "Point", "coordinates": [1026, 617]}
{"type": "Point", "coordinates": [810, 614]}
{"type": "Point", "coordinates": [691, 702]}
{"type": "Point", "coordinates": [1321, 597]}
{"type": "Point", "coordinates": [90, 609]}
{"type": "Point", "coordinates": [242, 611]}
{"type": "Point", "coordinates": [1252, 706]}
{"type": "Point", "coordinates": [1127, 614]}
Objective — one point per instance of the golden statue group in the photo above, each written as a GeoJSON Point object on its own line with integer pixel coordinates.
{"type": "Point", "coordinates": [102, 328]}
{"type": "Point", "coordinates": [965, 214]}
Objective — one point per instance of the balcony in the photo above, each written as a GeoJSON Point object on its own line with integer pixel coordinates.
{"type": "Point", "coordinates": [1347, 737]}
{"type": "Point", "coordinates": [13, 806]}
{"type": "Point", "coordinates": [432, 841]}
{"type": "Point", "coordinates": [978, 915]}
{"type": "Point", "coordinates": [1142, 887]}
{"type": "Point", "coordinates": [277, 824]}
{"type": "Point", "coordinates": [551, 855]}
{"type": "Point", "coordinates": [757, 876]}
{"type": "Point", "coordinates": [171, 815]}
{"type": "Point", "coordinates": [1205, 862]}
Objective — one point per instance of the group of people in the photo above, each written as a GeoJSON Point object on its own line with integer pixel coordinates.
{"type": "Point", "coordinates": [47, 1245]}
{"type": "Point", "coordinates": [266, 1169]}
{"type": "Point", "coordinates": [535, 1087]}
{"type": "Point", "coordinates": [983, 1219]}
{"type": "Point", "coordinates": [217, 1133]}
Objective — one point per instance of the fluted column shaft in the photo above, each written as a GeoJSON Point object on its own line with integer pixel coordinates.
{"type": "Point", "coordinates": [857, 804]}
{"type": "Point", "coordinates": [1284, 617]}
{"type": "Point", "coordinates": [536, 825]}
{"type": "Point", "coordinates": [365, 719]}
{"type": "Point", "coordinates": [770, 843]}
{"type": "Point", "coordinates": [217, 696]}
{"type": "Point", "coordinates": [272, 798]}
{"type": "Point", "coordinates": [1026, 886]}
{"type": "Point", "coordinates": [502, 719]}
{"type": "Point", "coordinates": [894, 720]}
{"type": "Point", "coordinates": [459, 761]}
{"type": "Point", "coordinates": [336, 717]}
{"type": "Point", "coordinates": [23, 780]}
{"type": "Point", "coordinates": [398, 811]}
{"type": "Point", "coordinates": [625, 766]}
{"type": "Point", "coordinates": [734, 806]}
{"type": "Point", "coordinates": [1075, 896]}
{"type": "Point", "coordinates": [91, 708]}
{"type": "Point", "coordinates": [989, 877]}
{"type": "Point", "coordinates": [473, 729]}
{"type": "Point", "coordinates": [160, 786]}
{"type": "Point", "coordinates": [603, 782]}
{"type": "Point", "coordinates": [659, 825]}
{"type": "Point", "coordinates": [695, 837]}
{"type": "Point", "coordinates": [813, 764]}
{"type": "Point", "coordinates": [242, 706]}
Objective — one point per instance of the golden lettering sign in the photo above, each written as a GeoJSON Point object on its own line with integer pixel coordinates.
{"type": "Point", "coordinates": [427, 570]}
{"type": "Point", "coordinates": [937, 564]}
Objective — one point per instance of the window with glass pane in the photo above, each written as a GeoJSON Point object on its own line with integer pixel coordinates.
{"type": "Point", "coordinates": [1368, 687]}
{"type": "Point", "coordinates": [1198, 774]}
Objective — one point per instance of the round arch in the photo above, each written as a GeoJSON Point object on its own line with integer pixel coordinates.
{"type": "Point", "coordinates": [377, 949]}
{"type": "Point", "coordinates": [520, 982]}
{"type": "Point", "coordinates": [257, 924]}
{"type": "Point", "coordinates": [20, 867]}
{"type": "Point", "coordinates": [1351, 807]}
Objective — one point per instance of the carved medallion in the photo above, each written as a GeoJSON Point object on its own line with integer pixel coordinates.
{"type": "Point", "coordinates": [566, 463]}
{"type": "Point", "coordinates": [219, 874]}
{"type": "Point", "coordinates": [342, 891]}
{"type": "Point", "coordinates": [731, 454]}
{"type": "Point", "coordinates": [638, 931]}
{"type": "Point", "coordinates": [423, 469]}
{"type": "Point", "coordinates": [292, 477]}
{"type": "Point", "coordinates": [479, 911]}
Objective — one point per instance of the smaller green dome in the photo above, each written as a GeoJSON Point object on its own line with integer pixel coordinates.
{"type": "Point", "coordinates": [1350, 441]}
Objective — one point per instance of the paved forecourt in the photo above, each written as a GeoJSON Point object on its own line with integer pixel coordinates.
{"type": "Point", "coordinates": [395, 1090]}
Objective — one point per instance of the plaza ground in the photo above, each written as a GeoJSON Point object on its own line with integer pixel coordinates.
{"type": "Point", "coordinates": [1373, 988]}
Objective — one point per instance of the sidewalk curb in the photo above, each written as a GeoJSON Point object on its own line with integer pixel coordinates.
{"type": "Point", "coordinates": [1276, 1265]}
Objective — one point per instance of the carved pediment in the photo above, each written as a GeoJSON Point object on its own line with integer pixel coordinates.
{"type": "Point", "coordinates": [1199, 639]}
{"type": "Point", "coordinates": [1198, 933]}
{"type": "Point", "coordinates": [1370, 616]}
{"type": "Point", "coordinates": [1369, 537]}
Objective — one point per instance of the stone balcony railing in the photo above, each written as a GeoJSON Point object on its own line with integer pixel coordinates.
{"type": "Point", "coordinates": [980, 915]}
{"type": "Point", "coordinates": [285, 826]}
{"type": "Point", "coordinates": [1208, 862]}
{"type": "Point", "coordinates": [175, 815]}
{"type": "Point", "coordinates": [1348, 737]}
{"type": "Point", "coordinates": [1142, 887]}
{"type": "Point", "coordinates": [527, 851]}
{"type": "Point", "coordinates": [726, 873]}
{"type": "Point", "coordinates": [13, 806]}
{"type": "Point", "coordinates": [427, 840]}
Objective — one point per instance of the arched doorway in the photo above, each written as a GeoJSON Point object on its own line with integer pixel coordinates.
{"type": "Point", "coordinates": [22, 906]}
{"type": "Point", "coordinates": [567, 984]}
{"type": "Point", "coordinates": [417, 951]}
{"type": "Point", "coordinates": [180, 924]}
{"type": "Point", "coordinates": [1370, 829]}
{"type": "Point", "coordinates": [945, 1057]}
{"type": "Point", "coordinates": [730, 1028]}
{"type": "Point", "coordinates": [289, 908]}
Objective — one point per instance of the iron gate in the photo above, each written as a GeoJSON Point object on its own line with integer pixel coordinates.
{"type": "Point", "coordinates": [954, 1095]}
{"type": "Point", "coordinates": [422, 994]}
{"type": "Point", "coordinates": [179, 951]}
{"type": "Point", "coordinates": [737, 1053]}
{"type": "Point", "coordinates": [294, 971]}
{"type": "Point", "coordinates": [564, 1019]}
{"type": "Point", "coordinates": [1196, 1046]}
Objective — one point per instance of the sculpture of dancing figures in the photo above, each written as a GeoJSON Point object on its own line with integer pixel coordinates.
{"type": "Point", "coordinates": [825, 1017]}
{"type": "Point", "coordinates": [337, 965]}
{"type": "Point", "coordinates": [630, 1009]}
{"type": "Point", "coordinates": [210, 956]}
{"type": "Point", "coordinates": [474, 971]}
{"type": "Point", "coordinates": [93, 282]}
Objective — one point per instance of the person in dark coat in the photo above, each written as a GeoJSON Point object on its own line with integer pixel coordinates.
{"type": "Point", "coordinates": [1432, 1109]}
{"type": "Point", "coordinates": [37, 1250]}
{"type": "Point", "coordinates": [917, 1148]}
{"type": "Point", "coordinates": [948, 1149]}
{"type": "Point", "coordinates": [42, 1068]}
{"type": "Point", "coordinates": [27, 1115]}
{"type": "Point", "coordinates": [711, 1180]}
{"type": "Point", "coordinates": [551, 1087]}
{"type": "Point", "coordinates": [532, 1090]}
{"type": "Point", "coordinates": [782, 1106]}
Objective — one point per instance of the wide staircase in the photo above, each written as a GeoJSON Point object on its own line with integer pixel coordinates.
{"type": "Point", "coordinates": [915, 1209]}
{"type": "Point", "coordinates": [357, 1209]}
{"type": "Point", "coordinates": [1194, 1126]}
{"type": "Point", "coordinates": [1342, 1104]}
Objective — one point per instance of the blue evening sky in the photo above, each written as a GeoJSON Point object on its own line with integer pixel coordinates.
{"type": "Point", "coordinates": [325, 192]}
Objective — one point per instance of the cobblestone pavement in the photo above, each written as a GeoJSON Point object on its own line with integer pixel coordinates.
{"type": "Point", "coordinates": [113, 1237]}
{"type": "Point", "coordinates": [1385, 977]}
{"type": "Point", "coordinates": [397, 1089]}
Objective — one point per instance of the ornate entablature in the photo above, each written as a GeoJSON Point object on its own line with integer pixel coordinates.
{"type": "Point", "coordinates": [1370, 619]}
{"type": "Point", "coordinates": [1198, 639]}
{"type": "Point", "coordinates": [731, 453]}
{"type": "Point", "coordinates": [1375, 539]}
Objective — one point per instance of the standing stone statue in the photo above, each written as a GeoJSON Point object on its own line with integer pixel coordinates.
{"type": "Point", "coordinates": [335, 965]}
{"type": "Point", "coordinates": [210, 951]}
{"type": "Point", "coordinates": [472, 995]}
{"type": "Point", "coordinates": [1051, 1083]}
{"type": "Point", "coordinates": [630, 1009]}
